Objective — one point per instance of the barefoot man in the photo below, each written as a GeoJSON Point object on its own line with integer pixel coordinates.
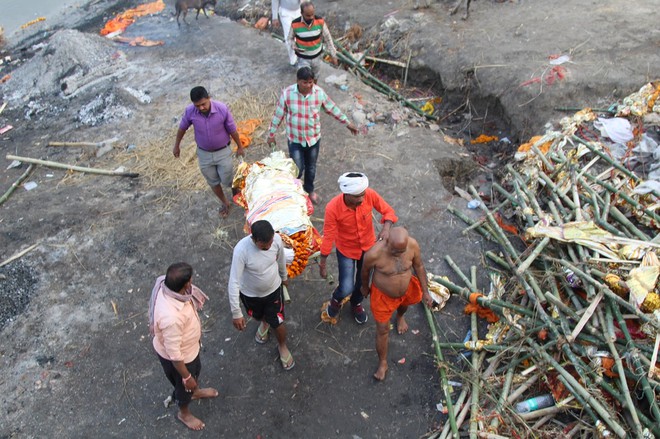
{"type": "Point", "coordinates": [176, 330]}
{"type": "Point", "coordinates": [398, 281]}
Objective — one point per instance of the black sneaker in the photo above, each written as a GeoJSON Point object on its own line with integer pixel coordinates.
{"type": "Point", "coordinates": [360, 314]}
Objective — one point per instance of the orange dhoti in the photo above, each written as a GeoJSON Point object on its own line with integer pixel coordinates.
{"type": "Point", "coordinates": [382, 305]}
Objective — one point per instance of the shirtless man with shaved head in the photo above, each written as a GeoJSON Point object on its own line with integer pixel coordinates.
{"type": "Point", "coordinates": [398, 281]}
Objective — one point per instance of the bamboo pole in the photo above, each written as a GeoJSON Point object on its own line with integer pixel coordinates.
{"type": "Point", "coordinates": [72, 167]}
{"type": "Point", "coordinates": [581, 392]}
{"type": "Point", "coordinates": [625, 196]}
{"type": "Point", "coordinates": [18, 255]}
{"type": "Point", "coordinates": [469, 222]}
{"type": "Point", "coordinates": [443, 372]}
{"type": "Point", "coordinates": [610, 337]}
{"type": "Point", "coordinates": [385, 61]}
{"type": "Point", "coordinates": [633, 353]}
{"type": "Point", "coordinates": [16, 184]}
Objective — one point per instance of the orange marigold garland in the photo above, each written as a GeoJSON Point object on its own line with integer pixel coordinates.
{"type": "Point", "coordinates": [298, 243]}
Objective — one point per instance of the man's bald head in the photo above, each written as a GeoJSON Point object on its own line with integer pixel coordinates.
{"type": "Point", "coordinates": [398, 240]}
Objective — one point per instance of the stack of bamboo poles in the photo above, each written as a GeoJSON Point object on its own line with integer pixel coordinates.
{"type": "Point", "coordinates": [572, 323]}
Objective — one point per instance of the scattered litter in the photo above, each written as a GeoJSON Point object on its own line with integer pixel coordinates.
{"type": "Point", "coordinates": [227, 339]}
{"type": "Point", "coordinates": [402, 360]}
{"type": "Point", "coordinates": [5, 129]}
{"type": "Point", "coordinates": [14, 164]}
{"type": "Point", "coordinates": [33, 22]}
{"type": "Point", "coordinates": [415, 331]}
{"type": "Point", "coordinates": [49, 175]}
{"type": "Point", "coordinates": [559, 60]}
{"type": "Point", "coordinates": [167, 402]}
{"type": "Point", "coordinates": [337, 80]}
{"type": "Point", "coordinates": [221, 353]}
{"type": "Point", "coordinates": [121, 422]}
{"type": "Point", "coordinates": [30, 185]}
{"type": "Point", "coordinates": [364, 415]}
{"type": "Point", "coordinates": [483, 138]}
{"type": "Point", "coordinates": [473, 204]}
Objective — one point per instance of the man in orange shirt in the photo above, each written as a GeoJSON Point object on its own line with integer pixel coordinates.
{"type": "Point", "coordinates": [348, 226]}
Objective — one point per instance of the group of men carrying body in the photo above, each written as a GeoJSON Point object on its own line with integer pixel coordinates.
{"type": "Point", "coordinates": [387, 268]}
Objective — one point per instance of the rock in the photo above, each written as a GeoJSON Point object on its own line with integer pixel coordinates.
{"type": "Point", "coordinates": [359, 117]}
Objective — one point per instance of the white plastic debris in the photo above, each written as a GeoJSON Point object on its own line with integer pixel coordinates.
{"type": "Point", "coordinates": [30, 185]}
{"type": "Point", "coordinates": [560, 60]}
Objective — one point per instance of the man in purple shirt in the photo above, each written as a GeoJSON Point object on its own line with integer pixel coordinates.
{"type": "Point", "coordinates": [214, 129]}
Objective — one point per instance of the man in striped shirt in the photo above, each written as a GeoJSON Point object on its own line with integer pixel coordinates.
{"type": "Point", "coordinates": [308, 36]}
{"type": "Point", "coordinates": [301, 104]}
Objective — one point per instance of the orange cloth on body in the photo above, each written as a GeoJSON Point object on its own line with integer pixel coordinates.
{"type": "Point", "coordinates": [382, 305]}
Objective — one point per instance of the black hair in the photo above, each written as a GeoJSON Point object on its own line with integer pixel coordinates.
{"type": "Point", "coordinates": [178, 275]}
{"type": "Point", "coordinates": [355, 175]}
{"type": "Point", "coordinates": [198, 93]}
{"type": "Point", "coordinates": [262, 231]}
{"type": "Point", "coordinates": [304, 5]}
{"type": "Point", "coordinates": [304, 73]}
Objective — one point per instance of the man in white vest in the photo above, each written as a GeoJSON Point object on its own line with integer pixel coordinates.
{"type": "Point", "coordinates": [287, 10]}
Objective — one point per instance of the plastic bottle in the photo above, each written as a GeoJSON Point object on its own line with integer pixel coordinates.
{"type": "Point", "coordinates": [536, 403]}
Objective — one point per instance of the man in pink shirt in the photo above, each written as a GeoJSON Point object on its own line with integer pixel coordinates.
{"type": "Point", "coordinates": [176, 330]}
{"type": "Point", "coordinates": [349, 227]}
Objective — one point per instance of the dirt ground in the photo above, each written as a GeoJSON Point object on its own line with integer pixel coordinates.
{"type": "Point", "coordinates": [75, 352]}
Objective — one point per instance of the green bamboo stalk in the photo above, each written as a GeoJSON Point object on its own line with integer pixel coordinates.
{"type": "Point", "coordinates": [499, 233]}
{"type": "Point", "coordinates": [579, 390]}
{"type": "Point", "coordinates": [625, 196]}
{"type": "Point", "coordinates": [523, 204]}
{"type": "Point", "coordinates": [495, 305]}
{"type": "Point", "coordinates": [495, 422]}
{"type": "Point", "coordinates": [16, 184]}
{"type": "Point", "coordinates": [501, 262]}
{"type": "Point", "coordinates": [606, 207]}
{"type": "Point", "coordinates": [633, 352]}
{"type": "Point", "coordinates": [611, 161]}
{"type": "Point", "coordinates": [443, 372]}
{"type": "Point", "coordinates": [554, 189]}
{"type": "Point", "coordinates": [540, 246]}
{"type": "Point", "coordinates": [610, 337]}
{"type": "Point", "coordinates": [475, 383]}
{"type": "Point", "coordinates": [460, 273]}
{"type": "Point", "coordinates": [469, 222]}
{"type": "Point", "coordinates": [523, 186]}
{"type": "Point", "coordinates": [608, 293]}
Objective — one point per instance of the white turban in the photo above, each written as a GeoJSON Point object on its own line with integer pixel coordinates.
{"type": "Point", "coordinates": [353, 183]}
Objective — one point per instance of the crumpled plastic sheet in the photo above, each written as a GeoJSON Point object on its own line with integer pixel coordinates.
{"type": "Point", "coordinates": [588, 234]}
{"type": "Point", "coordinates": [616, 128]}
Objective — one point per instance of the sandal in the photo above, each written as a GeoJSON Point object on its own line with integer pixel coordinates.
{"type": "Point", "coordinates": [261, 337]}
{"type": "Point", "coordinates": [288, 362]}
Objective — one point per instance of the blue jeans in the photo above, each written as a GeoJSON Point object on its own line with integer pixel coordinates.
{"type": "Point", "coordinates": [305, 159]}
{"type": "Point", "coordinates": [350, 280]}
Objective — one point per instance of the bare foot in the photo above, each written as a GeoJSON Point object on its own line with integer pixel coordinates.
{"type": "Point", "coordinates": [401, 325]}
{"type": "Point", "coordinates": [381, 371]}
{"type": "Point", "coordinates": [191, 422]}
{"type": "Point", "coordinates": [208, 392]}
{"type": "Point", "coordinates": [223, 211]}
